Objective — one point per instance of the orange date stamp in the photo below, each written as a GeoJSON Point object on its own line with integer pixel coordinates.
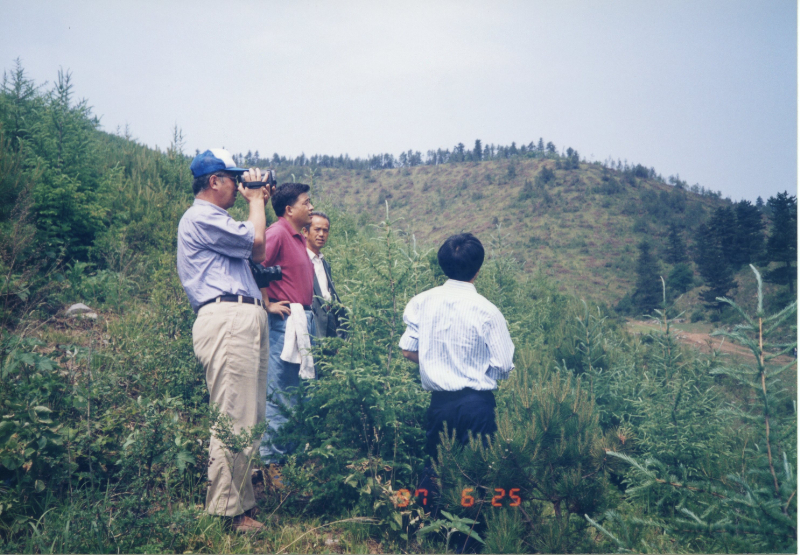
{"type": "Point", "coordinates": [403, 497]}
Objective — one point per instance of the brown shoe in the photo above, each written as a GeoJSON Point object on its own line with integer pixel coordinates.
{"type": "Point", "coordinates": [244, 524]}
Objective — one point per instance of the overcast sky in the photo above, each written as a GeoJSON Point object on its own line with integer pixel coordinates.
{"type": "Point", "coordinates": [704, 89]}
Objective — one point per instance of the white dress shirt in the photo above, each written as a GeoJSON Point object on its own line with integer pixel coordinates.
{"type": "Point", "coordinates": [319, 271]}
{"type": "Point", "coordinates": [461, 338]}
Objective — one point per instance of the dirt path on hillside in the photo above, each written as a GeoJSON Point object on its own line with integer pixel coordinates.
{"type": "Point", "coordinates": [703, 341]}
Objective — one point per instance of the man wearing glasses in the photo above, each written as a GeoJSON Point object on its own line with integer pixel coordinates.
{"type": "Point", "coordinates": [286, 247]}
{"type": "Point", "coordinates": [230, 333]}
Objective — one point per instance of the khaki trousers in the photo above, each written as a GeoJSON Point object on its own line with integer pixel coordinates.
{"type": "Point", "coordinates": [231, 341]}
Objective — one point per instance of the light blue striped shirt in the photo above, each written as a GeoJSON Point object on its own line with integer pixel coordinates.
{"type": "Point", "coordinates": [213, 249]}
{"type": "Point", "coordinates": [461, 338]}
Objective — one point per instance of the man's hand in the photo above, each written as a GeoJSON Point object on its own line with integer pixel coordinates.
{"type": "Point", "coordinates": [413, 356]}
{"type": "Point", "coordinates": [256, 198]}
{"type": "Point", "coordinates": [281, 308]}
{"type": "Point", "coordinates": [253, 174]}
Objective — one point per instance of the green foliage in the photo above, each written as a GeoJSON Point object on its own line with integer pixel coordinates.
{"type": "Point", "coordinates": [749, 234]}
{"type": "Point", "coordinates": [451, 524]}
{"type": "Point", "coordinates": [676, 247]}
{"type": "Point", "coordinates": [782, 242]}
{"type": "Point", "coordinates": [584, 346]}
{"type": "Point", "coordinates": [31, 441]}
{"type": "Point", "coordinates": [545, 177]}
{"type": "Point", "coordinates": [712, 488]}
{"type": "Point", "coordinates": [681, 278]}
{"type": "Point", "coordinates": [646, 295]}
{"type": "Point", "coordinates": [548, 451]}
{"type": "Point", "coordinates": [609, 185]}
{"type": "Point", "coordinates": [526, 193]}
{"type": "Point", "coordinates": [367, 403]}
{"type": "Point", "coordinates": [713, 265]}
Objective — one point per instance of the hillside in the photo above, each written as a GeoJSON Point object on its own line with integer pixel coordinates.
{"type": "Point", "coordinates": [579, 226]}
{"type": "Point", "coordinates": [106, 417]}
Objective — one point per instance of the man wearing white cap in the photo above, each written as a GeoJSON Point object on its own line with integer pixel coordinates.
{"type": "Point", "coordinates": [230, 334]}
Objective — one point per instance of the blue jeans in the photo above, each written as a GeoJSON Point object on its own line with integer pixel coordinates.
{"type": "Point", "coordinates": [282, 381]}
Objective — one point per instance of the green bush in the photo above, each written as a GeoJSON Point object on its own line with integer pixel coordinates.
{"type": "Point", "coordinates": [701, 476]}
{"type": "Point", "coordinates": [542, 472]}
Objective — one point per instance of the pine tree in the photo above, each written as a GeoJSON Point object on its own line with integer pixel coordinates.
{"type": "Point", "coordinates": [647, 292]}
{"type": "Point", "coordinates": [713, 266]}
{"type": "Point", "coordinates": [19, 104]}
{"type": "Point", "coordinates": [746, 506]}
{"type": "Point", "coordinates": [749, 238]}
{"type": "Point", "coordinates": [676, 248]}
{"type": "Point", "coordinates": [782, 242]}
{"type": "Point", "coordinates": [547, 458]}
{"type": "Point", "coordinates": [680, 279]}
{"type": "Point", "coordinates": [526, 192]}
{"type": "Point", "coordinates": [477, 152]}
{"type": "Point", "coordinates": [63, 149]}
{"type": "Point", "coordinates": [722, 226]}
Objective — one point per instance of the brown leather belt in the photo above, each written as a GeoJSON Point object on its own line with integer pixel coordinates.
{"type": "Point", "coordinates": [235, 299]}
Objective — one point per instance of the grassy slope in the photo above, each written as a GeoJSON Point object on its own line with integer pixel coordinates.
{"type": "Point", "coordinates": [570, 230]}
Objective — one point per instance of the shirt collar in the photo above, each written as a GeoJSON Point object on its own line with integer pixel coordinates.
{"type": "Point", "coordinates": [462, 285]}
{"type": "Point", "coordinates": [201, 202]}
{"type": "Point", "coordinates": [313, 256]}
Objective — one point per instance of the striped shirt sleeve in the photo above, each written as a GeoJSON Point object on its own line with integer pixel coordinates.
{"type": "Point", "coordinates": [410, 339]}
{"type": "Point", "coordinates": [501, 348]}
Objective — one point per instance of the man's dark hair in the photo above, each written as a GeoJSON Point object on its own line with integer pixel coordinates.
{"type": "Point", "coordinates": [200, 184]}
{"type": "Point", "coordinates": [461, 256]}
{"type": "Point", "coordinates": [319, 214]}
{"type": "Point", "coordinates": [286, 195]}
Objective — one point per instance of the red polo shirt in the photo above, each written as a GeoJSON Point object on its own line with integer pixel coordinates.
{"type": "Point", "coordinates": [287, 248]}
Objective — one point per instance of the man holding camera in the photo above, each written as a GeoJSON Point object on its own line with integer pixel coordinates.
{"type": "Point", "coordinates": [230, 334]}
{"type": "Point", "coordinates": [327, 319]}
{"type": "Point", "coordinates": [286, 247]}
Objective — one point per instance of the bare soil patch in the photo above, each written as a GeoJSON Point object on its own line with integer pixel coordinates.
{"type": "Point", "coordinates": [699, 338]}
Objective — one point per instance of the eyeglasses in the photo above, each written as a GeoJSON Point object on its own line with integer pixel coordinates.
{"type": "Point", "coordinates": [235, 178]}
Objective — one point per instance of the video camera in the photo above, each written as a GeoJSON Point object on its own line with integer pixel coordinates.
{"type": "Point", "coordinates": [268, 179]}
{"type": "Point", "coordinates": [265, 276]}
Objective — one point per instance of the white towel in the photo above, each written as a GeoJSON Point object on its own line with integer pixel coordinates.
{"type": "Point", "coordinates": [296, 342]}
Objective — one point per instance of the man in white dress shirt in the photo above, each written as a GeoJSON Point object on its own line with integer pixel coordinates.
{"type": "Point", "coordinates": [461, 342]}
{"type": "Point", "coordinates": [329, 320]}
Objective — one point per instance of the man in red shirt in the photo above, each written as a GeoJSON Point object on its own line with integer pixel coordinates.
{"type": "Point", "coordinates": [286, 247]}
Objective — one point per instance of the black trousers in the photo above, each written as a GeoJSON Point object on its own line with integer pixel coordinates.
{"type": "Point", "coordinates": [464, 411]}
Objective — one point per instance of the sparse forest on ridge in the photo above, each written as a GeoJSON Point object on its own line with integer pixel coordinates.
{"type": "Point", "coordinates": [612, 441]}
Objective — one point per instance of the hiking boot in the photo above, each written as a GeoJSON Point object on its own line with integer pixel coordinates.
{"type": "Point", "coordinates": [245, 525]}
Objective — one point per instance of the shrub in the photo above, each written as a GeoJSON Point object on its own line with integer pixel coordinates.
{"type": "Point", "coordinates": [542, 472]}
